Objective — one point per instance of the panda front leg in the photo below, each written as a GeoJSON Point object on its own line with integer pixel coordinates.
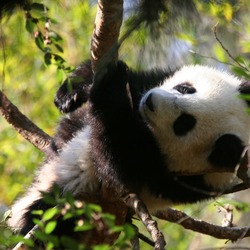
{"type": "Point", "coordinates": [122, 146]}
{"type": "Point", "coordinates": [120, 140]}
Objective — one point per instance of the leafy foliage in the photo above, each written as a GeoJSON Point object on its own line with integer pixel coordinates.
{"type": "Point", "coordinates": [86, 217]}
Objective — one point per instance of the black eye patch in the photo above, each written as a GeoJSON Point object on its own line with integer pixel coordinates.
{"type": "Point", "coordinates": [226, 151]}
{"type": "Point", "coordinates": [183, 124]}
{"type": "Point", "coordinates": [185, 88]}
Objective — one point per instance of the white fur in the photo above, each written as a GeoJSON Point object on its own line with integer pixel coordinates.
{"type": "Point", "coordinates": [215, 105]}
{"type": "Point", "coordinates": [72, 170]}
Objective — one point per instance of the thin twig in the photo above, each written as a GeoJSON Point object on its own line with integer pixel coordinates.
{"type": "Point", "coordinates": [211, 58]}
{"type": "Point", "coordinates": [226, 50]}
{"type": "Point", "coordinates": [145, 239]}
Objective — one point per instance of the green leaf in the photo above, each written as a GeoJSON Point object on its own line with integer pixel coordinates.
{"type": "Point", "coordinates": [101, 247]}
{"type": "Point", "coordinates": [69, 69]}
{"type": "Point", "coordinates": [47, 238]}
{"type": "Point", "coordinates": [68, 196]}
{"type": "Point", "coordinates": [84, 227]}
{"type": "Point", "coordinates": [50, 227]}
{"type": "Point", "coordinates": [69, 243]}
{"type": "Point", "coordinates": [19, 238]}
{"type": "Point", "coordinates": [39, 41]}
{"type": "Point", "coordinates": [45, 19]}
{"type": "Point", "coordinates": [47, 58]}
{"type": "Point", "coordinates": [39, 7]}
{"type": "Point", "coordinates": [68, 215]}
{"type": "Point", "coordinates": [50, 213]}
{"type": "Point", "coordinates": [117, 229]}
{"type": "Point", "coordinates": [59, 48]}
{"type": "Point", "coordinates": [41, 236]}
{"type": "Point", "coordinates": [240, 59]}
{"type": "Point", "coordinates": [245, 97]}
{"type": "Point", "coordinates": [49, 199]}
{"type": "Point", "coordinates": [60, 75]}
{"type": "Point", "coordinates": [55, 36]}
{"type": "Point", "coordinates": [241, 72]}
{"type": "Point", "coordinates": [93, 207]}
{"type": "Point", "coordinates": [59, 59]}
{"type": "Point", "coordinates": [37, 212]}
{"type": "Point", "coordinates": [39, 223]}
{"type": "Point", "coordinates": [129, 231]}
{"type": "Point", "coordinates": [30, 25]}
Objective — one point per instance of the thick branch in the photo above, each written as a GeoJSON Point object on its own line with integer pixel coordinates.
{"type": "Point", "coordinates": [107, 28]}
{"type": "Point", "coordinates": [231, 233]}
{"type": "Point", "coordinates": [23, 125]}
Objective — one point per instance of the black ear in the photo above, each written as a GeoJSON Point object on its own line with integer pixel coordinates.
{"type": "Point", "coordinates": [244, 89]}
{"type": "Point", "coordinates": [227, 151]}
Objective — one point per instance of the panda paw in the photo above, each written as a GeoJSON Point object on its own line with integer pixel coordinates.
{"type": "Point", "coordinates": [70, 96]}
{"type": "Point", "coordinates": [75, 89]}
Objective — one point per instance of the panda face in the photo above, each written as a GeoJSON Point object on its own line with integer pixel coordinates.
{"type": "Point", "coordinates": [191, 111]}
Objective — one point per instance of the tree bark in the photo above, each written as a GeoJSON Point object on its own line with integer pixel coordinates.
{"type": "Point", "coordinates": [108, 21]}
{"type": "Point", "coordinates": [219, 232]}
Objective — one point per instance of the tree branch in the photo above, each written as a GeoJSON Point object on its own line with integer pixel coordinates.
{"type": "Point", "coordinates": [134, 202]}
{"type": "Point", "coordinates": [107, 28]}
{"type": "Point", "coordinates": [23, 125]}
{"type": "Point", "coordinates": [29, 235]}
{"type": "Point", "coordinates": [227, 51]}
{"type": "Point", "coordinates": [219, 232]}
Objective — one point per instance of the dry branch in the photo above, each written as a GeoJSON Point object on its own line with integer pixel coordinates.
{"type": "Point", "coordinates": [219, 232]}
{"type": "Point", "coordinates": [23, 125]}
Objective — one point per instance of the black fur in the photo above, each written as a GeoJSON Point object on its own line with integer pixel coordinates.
{"type": "Point", "coordinates": [68, 128]}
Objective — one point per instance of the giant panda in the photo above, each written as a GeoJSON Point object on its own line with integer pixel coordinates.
{"type": "Point", "coordinates": [169, 137]}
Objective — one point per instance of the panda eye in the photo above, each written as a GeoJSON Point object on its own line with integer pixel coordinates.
{"type": "Point", "coordinates": [185, 88]}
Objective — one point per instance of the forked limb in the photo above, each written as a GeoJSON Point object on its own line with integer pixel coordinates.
{"type": "Point", "coordinates": [133, 201]}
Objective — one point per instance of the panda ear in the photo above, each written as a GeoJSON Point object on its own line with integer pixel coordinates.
{"type": "Point", "coordinates": [244, 89]}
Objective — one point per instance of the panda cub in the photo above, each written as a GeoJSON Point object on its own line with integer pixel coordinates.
{"type": "Point", "coordinates": [170, 137]}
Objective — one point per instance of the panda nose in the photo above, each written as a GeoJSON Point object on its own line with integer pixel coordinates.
{"type": "Point", "coordinates": [149, 102]}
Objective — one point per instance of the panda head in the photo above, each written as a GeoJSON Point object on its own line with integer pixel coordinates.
{"type": "Point", "coordinates": [198, 119]}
